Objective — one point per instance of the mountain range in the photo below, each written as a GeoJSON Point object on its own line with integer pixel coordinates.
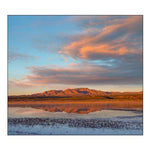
{"type": "Point", "coordinates": [81, 92]}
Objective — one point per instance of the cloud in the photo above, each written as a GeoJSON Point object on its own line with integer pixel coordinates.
{"type": "Point", "coordinates": [120, 38]}
{"type": "Point", "coordinates": [64, 57]}
{"type": "Point", "coordinates": [81, 74]}
{"type": "Point", "coordinates": [24, 83]}
{"type": "Point", "coordinates": [13, 56]}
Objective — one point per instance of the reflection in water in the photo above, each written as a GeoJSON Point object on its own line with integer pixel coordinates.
{"type": "Point", "coordinates": [82, 107]}
{"type": "Point", "coordinates": [18, 112]}
{"type": "Point", "coordinates": [30, 121]}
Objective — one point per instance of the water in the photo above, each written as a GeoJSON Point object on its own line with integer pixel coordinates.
{"type": "Point", "coordinates": [30, 121]}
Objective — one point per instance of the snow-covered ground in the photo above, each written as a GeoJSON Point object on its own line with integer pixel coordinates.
{"type": "Point", "coordinates": [30, 121]}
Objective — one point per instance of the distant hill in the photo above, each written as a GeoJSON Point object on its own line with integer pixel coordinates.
{"type": "Point", "coordinates": [81, 92]}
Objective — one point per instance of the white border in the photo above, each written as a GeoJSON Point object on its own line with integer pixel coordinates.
{"type": "Point", "coordinates": [111, 7]}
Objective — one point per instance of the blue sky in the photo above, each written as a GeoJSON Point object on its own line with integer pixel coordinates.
{"type": "Point", "coordinates": [58, 52]}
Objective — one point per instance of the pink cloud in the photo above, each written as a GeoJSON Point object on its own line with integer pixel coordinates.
{"type": "Point", "coordinates": [111, 40]}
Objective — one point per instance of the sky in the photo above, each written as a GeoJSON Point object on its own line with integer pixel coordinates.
{"type": "Point", "coordinates": [60, 52]}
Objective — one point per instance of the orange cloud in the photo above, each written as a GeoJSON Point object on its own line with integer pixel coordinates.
{"type": "Point", "coordinates": [115, 39]}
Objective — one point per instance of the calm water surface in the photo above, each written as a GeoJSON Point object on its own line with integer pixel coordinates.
{"type": "Point", "coordinates": [30, 121]}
